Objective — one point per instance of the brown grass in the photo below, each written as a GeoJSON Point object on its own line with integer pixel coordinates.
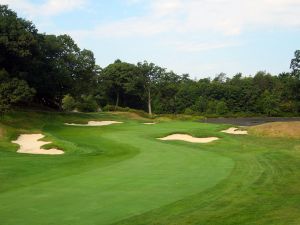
{"type": "Point", "coordinates": [277, 129]}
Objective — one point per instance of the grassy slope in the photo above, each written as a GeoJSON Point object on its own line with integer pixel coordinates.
{"type": "Point", "coordinates": [122, 174]}
{"type": "Point", "coordinates": [277, 129]}
{"type": "Point", "coordinates": [109, 173]}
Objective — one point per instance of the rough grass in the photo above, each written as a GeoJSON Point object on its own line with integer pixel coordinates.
{"type": "Point", "coordinates": [1, 132]}
{"type": "Point", "coordinates": [182, 117]}
{"type": "Point", "coordinates": [277, 129]}
{"type": "Point", "coordinates": [131, 115]}
{"type": "Point", "coordinates": [121, 174]}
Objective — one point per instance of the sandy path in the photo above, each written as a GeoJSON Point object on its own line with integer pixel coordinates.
{"type": "Point", "coordinates": [188, 138]}
{"type": "Point", "coordinates": [31, 144]}
{"type": "Point", "coordinates": [94, 123]}
{"type": "Point", "coordinates": [234, 130]}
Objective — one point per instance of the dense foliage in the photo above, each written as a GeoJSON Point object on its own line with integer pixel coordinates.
{"type": "Point", "coordinates": [45, 68]}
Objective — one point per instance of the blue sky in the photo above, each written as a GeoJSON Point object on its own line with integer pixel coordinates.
{"type": "Point", "coordinates": [199, 37]}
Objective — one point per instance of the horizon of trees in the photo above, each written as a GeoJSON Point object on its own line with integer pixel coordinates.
{"type": "Point", "coordinates": [49, 70]}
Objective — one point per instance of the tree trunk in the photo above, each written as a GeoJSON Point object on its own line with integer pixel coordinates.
{"type": "Point", "coordinates": [117, 101]}
{"type": "Point", "coordinates": [149, 102]}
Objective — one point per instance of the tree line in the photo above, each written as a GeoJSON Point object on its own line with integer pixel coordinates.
{"type": "Point", "coordinates": [49, 70]}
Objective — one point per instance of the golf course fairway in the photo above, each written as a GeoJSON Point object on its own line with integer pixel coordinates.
{"type": "Point", "coordinates": [122, 174]}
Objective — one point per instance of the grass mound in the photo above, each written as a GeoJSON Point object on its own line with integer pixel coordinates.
{"type": "Point", "coordinates": [277, 129]}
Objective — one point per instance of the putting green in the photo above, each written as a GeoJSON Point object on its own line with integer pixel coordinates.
{"type": "Point", "coordinates": [155, 174]}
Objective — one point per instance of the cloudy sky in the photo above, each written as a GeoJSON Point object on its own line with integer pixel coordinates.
{"type": "Point", "coordinates": [199, 37]}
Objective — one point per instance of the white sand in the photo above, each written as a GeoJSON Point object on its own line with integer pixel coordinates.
{"type": "Point", "coordinates": [30, 144]}
{"type": "Point", "coordinates": [149, 123]}
{"type": "Point", "coordinates": [94, 123]}
{"type": "Point", "coordinates": [234, 130]}
{"type": "Point", "coordinates": [188, 138]}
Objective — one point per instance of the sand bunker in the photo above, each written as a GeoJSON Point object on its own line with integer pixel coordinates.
{"type": "Point", "coordinates": [188, 138]}
{"type": "Point", "coordinates": [234, 130]}
{"type": "Point", "coordinates": [94, 123]}
{"type": "Point", "coordinates": [149, 123]}
{"type": "Point", "coordinates": [30, 144]}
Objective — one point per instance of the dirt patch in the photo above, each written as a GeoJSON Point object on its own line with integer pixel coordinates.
{"type": "Point", "coordinates": [188, 138]}
{"type": "Point", "coordinates": [234, 130]}
{"type": "Point", "coordinates": [277, 129]}
{"type": "Point", "coordinates": [94, 123]}
{"type": "Point", "coordinates": [31, 144]}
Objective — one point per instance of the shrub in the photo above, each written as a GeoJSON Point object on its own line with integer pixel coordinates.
{"type": "Point", "coordinates": [221, 108]}
{"type": "Point", "coordinates": [87, 104]}
{"type": "Point", "coordinates": [211, 107]}
{"type": "Point", "coordinates": [13, 91]}
{"type": "Point", "coordinates": [68, 103]}
{"type": "Point", "coordinates": [108, 108]}
{"type": "Point", "coordinates": [269, 103]}
{"type": "Point", "coordinates": [200, 105]}
{"type": "Point", "coordinates": [289, 106]}
{"type": "Point", "coordinates": [189, 111]}
{"type": "Point", "coordinates": [112, 108]}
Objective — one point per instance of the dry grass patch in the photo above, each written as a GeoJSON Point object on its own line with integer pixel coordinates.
{"type": "Point", "coordinates": [277, 129]}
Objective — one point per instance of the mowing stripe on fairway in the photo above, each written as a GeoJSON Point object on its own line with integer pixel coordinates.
{"type": "Point", "coordinates": [159, 174]}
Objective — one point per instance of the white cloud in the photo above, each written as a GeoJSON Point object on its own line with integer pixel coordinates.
{"type": "Point", "coordinates": [163, 8]}
{"type": "Point", "coordinates": [48, 8]}
{"type": "Point", "coordinates": [227, 17]}
{"type": "Point", "coordinates": [203, 46]}
{"type": "Point", "coordinates": [179, 19]}
{"type": "Point", "coordinates": [131, 2]}
{"type": "Point", "coordinates": [127, 28]}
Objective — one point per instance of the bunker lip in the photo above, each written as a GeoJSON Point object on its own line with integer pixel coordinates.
{"type": "Point", "coordinates": [94, 123]}
{"type": "Point", "coordinates": [31, 144]}
{"type": "Point", "coordinates": [234, 130]}
{"type": "Point", "coordinates": [188, 138]}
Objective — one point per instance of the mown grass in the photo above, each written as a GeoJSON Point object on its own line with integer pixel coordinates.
{"type": "Point", "coordinates": [121, 174]}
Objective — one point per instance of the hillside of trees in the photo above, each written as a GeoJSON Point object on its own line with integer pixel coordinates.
{"type": "Point", "coordinates": [52, 71]}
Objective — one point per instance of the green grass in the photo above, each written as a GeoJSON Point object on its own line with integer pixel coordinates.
{"type": "Point", "coordinates": [121, 174]}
